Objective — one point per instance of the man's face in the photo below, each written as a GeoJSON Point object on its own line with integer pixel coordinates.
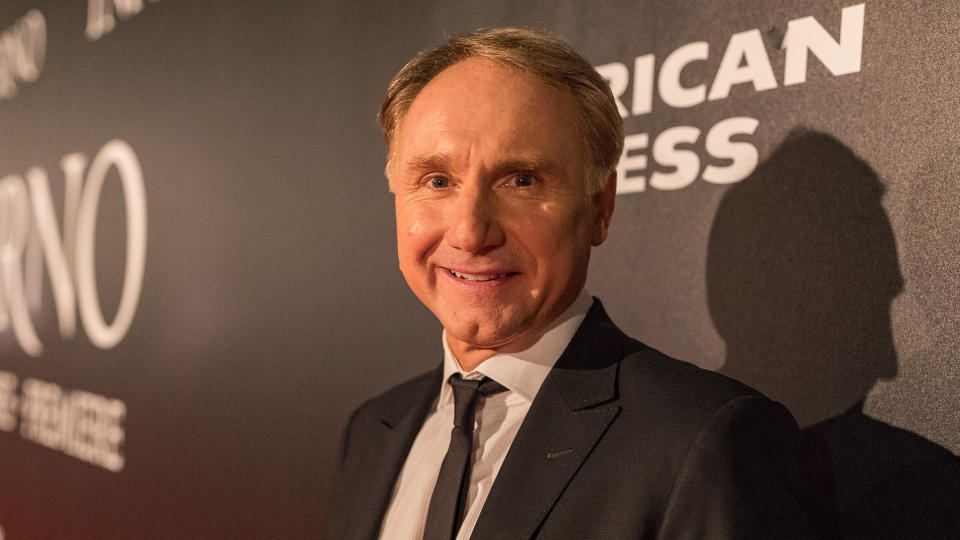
{"type": "Point", "coordinates": [494, 223]}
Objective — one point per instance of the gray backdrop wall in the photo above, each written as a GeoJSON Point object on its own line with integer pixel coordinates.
{"type": "Point", "coordinates": [195, 188]}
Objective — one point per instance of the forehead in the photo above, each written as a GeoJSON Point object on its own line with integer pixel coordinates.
{"type": "Point", "coordinates": [478, 108]}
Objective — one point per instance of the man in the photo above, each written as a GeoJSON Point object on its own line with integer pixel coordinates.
{"type": "Point", "coordinates": [544, 419]}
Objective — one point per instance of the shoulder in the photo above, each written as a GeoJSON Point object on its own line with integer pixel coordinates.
{"type": "Point", "coordinates": [388, 409]}
{"type": "Point", "coordinates": [705, 420]}
{"type": "Point", "coordinates": [645, 368]}
{"type": "Point", "coordinates": [649, 381]}
{"type": "Point", "coordinates": [726, 446]}
{"type": "Point", "coordinates": [690, 399]}
{"type": "Point", "coordinates": [399, 398]}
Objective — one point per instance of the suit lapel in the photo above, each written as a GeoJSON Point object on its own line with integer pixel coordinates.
{"type": "Point", "coordinates": [399, 421]}
{"type": "Point", "coordinates": [570, 413]}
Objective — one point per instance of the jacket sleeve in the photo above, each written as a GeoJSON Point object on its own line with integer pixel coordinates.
{"type": "Point", "coordinates": [336, 527]}
{"type": "Point", "coordinates": [742, 477]}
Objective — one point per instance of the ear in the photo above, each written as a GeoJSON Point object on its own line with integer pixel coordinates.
{"type": "Point", "coordinates": [603, 203]}
{"type": "Point", "coordinates": [387, 170]}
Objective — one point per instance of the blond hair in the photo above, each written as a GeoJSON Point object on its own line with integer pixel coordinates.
{"type": "Point", "coordinates": [531, 51]}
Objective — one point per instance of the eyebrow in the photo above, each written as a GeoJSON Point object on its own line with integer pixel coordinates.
{"type": "Point", "coordinates": [428, 162]}
{"type": "Point", "coordinates": [442, 161]}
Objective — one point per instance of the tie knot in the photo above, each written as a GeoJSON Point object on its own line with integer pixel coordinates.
{"type": "Point", "coordinates": [465, 394]}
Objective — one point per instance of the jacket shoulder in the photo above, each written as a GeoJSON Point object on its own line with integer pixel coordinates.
{"type": "Point", "coordinates": [645, 368]}
{"type": "Point", "coordinates": [669, 396]}
{"type": "Point", "coordinates": [387, 408]}
{"type": "Point", "coordinates": [399, 398]}
{"type": "Point", "coordinates": [647, 379]}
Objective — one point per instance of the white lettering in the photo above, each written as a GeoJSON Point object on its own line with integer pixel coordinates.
{"type": "Point", "coordinates": [671, 91]}
{"type": "Point", "coordinates": [685, 162]}
{"type": "Point", "coordinates": [618, 77]}
{"type": "Point", "coordinates": [81, 424]}
{"type": "Point", "coordinates": [102, 15]}
{"type": "Point", "coordinates": [629, 163]}
{"type": "Point", "coordinates": [14, 205]}
{"type": "Point", "coordinates": [9, 402]}
{"type": "Point", "coordinates": [23, 49]}
{"type": "Point", "coordinates": [747, 48]}
{"type": "Point", "coordinates": [119, 154]}
{"type": "Point", "coordinates": [642, 85]}
{"type": "Point", "coordinates": [744, 155]}
{"type": "Point", "coordinates": [46, 223]}
{"type": "Point", "coordinates": [72, 166]}
{"type": "Point", "coordinates": [745, 60]}
{"type": "Point", "coordinates": [840, 58]}
{"type": "Point", "coordinates": [29, 230]}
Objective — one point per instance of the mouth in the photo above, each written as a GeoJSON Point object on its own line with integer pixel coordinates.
{"type": "Point", "coordinates": [479, 278]}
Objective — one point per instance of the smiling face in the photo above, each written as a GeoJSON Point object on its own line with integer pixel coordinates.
{"type": "Point", "coordinates": [494, 223]}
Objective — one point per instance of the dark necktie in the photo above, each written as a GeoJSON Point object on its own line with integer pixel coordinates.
{"type": "Point", "coordinates": [450, 494]}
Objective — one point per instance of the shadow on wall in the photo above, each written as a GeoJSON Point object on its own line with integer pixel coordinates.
{"type": "Point", "coordinates": [802, 268]}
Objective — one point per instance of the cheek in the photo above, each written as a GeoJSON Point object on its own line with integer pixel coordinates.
{"type": "Point", "coordinates": [417, 232]}
{"type": "Point", "coordinates": [416, 227]}
{"type": "Point", "coordinates": [556, 228]}
{"type": "Point", "coordinates": [557, 238]}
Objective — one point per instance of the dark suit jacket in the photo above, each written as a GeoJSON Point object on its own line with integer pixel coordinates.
{"type": "Point", "coordinates": [620, 442]}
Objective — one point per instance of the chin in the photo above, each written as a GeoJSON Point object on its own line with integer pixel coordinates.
{"type": "Point", "coordinates": [474, 332]}
{"type": "Point", "coordinates": [483, 333]}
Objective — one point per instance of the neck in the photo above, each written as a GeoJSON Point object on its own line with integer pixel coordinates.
{"type": "Point", "coordinates": [470, 356]}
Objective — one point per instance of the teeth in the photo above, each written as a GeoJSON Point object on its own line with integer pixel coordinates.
{"type": "Point", "coordinates": [477, 277]}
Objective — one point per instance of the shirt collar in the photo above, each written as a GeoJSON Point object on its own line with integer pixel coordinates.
{"type": "Point", "coordinates": [521, 372]}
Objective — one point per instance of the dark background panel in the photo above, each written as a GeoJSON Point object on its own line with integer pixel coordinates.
{"type": "Point", "coordinates": [272, 306]}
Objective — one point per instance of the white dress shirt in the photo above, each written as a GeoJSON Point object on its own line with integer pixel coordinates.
{"type": "Point", "coordinates": [498, 419]}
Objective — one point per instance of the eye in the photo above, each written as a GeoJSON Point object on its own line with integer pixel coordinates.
{"type": "Point", "coordinates": [438, 182]}
{"type": "Point", "coordinates": [522, 180]}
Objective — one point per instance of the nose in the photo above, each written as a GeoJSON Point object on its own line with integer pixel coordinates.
{"type": "Point", "coordinates": [475, 224]}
